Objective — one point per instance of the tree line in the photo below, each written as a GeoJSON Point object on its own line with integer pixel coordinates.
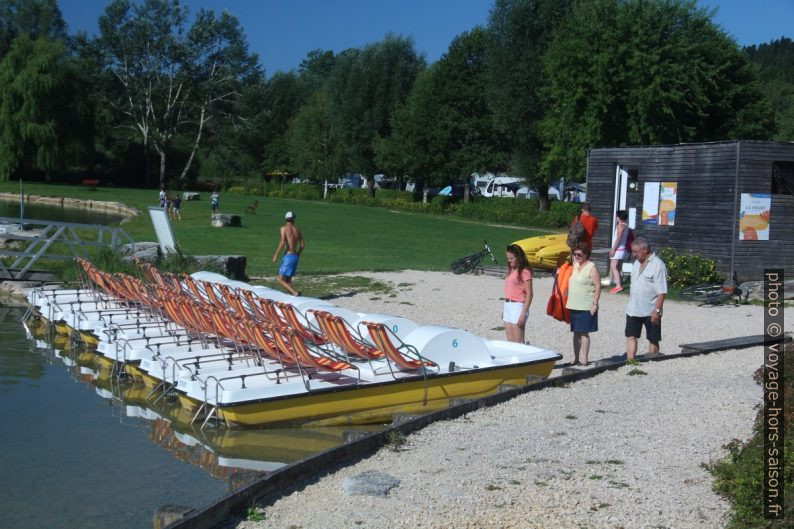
{"type": "Point", "coordinates": [161, 96]}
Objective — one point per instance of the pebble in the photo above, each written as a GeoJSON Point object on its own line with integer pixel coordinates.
{"type": "Point", "coordinates": [631, 457]}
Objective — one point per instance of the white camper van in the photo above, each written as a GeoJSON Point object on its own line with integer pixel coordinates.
{"type": "Point", "coordinates": [478, 181]}
{"type": "Point", "coordinates": [502, 186]}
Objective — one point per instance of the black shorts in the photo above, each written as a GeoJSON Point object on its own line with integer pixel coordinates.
{"type": "Point", "coordinates": [634, 324]}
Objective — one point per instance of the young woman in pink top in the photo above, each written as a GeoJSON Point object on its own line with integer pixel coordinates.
{"type": "Point", "coordinates": [518, 293]}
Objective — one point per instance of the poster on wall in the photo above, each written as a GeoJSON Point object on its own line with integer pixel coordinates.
{"type": "Point", "coordinates": [667, 203]}
{"type": "Point", "coordinates": [754, 213]}
{"type": "Point", "coordinates": [650, 203]}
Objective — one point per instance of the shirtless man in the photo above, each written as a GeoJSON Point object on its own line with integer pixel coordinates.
{"type": "Point", "coordinates": [292, 242]}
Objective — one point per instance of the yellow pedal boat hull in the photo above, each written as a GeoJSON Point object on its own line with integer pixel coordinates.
{"type": "Point", "coordinates": [378, 403]}
{"type": "Point", "coordinates": [546, 251]}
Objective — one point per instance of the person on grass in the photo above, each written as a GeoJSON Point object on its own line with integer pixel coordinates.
{"type": "Point", "coordinates": [292, 243]}
{"type": "Point", "coordinates": [518, 293]}
{"type": "Point", "coordinates": [176, 204]}
{"type": "Point", "coordinates": [619, 251]}
{"type": "Point", "coordinates": [584, 291]}
{"type": "Point", "coordinates": [215, 202]}
{"type": "Point", "coordinates": [647, 292]}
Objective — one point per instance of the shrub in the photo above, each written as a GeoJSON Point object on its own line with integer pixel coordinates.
{"type": "Point", "coordinates": [739, 475]}
{"type": "Point", "coordinates": [346, 195]}
{"type": "Point", "coordinates": [689, 269]}
{"type": "Point", "coordinates": [388, 195]}
{"type": "Point", "coordinates": [296, 191]}
{"type": "Point", "coordinates": [439, 203]}
{"type": "Point", "coordinates": [510, 210]}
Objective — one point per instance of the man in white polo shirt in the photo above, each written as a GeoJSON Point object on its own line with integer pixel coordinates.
{"type": "Point", "coordinates": [646, 297]}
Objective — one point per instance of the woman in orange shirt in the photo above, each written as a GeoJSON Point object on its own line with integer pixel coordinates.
{"type": "Point", "coordinates": [518, 293]}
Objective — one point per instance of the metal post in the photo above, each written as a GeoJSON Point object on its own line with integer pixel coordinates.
{"type": "Point", "coordinates": [735, 213]}
{"type": "Point", "coordinates": [21, 206]}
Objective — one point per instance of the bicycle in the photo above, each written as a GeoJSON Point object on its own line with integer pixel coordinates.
{"type": "Point", "coordinates": [714, 294]}
{"type": "Point", "coordinates": [472, 261]}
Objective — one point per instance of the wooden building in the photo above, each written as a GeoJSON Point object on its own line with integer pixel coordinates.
{"type": "Point", "coordinates": [731, 201]}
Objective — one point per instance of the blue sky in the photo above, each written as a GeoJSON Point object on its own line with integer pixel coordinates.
{"type": "Point", "coordinates": [283, 31]}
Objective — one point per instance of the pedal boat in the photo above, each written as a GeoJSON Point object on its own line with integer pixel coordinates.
{"type": "Point", "coordinates": [458, 365]}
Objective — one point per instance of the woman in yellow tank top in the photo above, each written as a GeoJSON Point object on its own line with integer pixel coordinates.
{"type": "Point", "coordinates": [584, 291]}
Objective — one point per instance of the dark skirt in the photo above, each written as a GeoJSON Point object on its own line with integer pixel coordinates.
{"type": "Point", "coordinates": [583, 321]}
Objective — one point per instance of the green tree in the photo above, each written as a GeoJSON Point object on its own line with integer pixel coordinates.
{"type": "Point", "coordinates": [364, 88]}
{"type": "Point", "coordinates": [42, 121]}
{"type": "Point", "coordinates": [634, 72]}
{"type": "Point", "coordinates": [445, 131]}
{"type": "Point", "coordinates": [35, 18]}
{"type": "Point", "coordinates": [520, 32]}
{"type": "Point", "coordinates": [164, 79]}
{"type": "Point", "coordinates": [314, 152]}
{"type": "Point", "coordinates": [316, 69]}
{"type": "Point", "coordinates": [283, 95]}
{"type": "Point", "coordinates": [776, 63]}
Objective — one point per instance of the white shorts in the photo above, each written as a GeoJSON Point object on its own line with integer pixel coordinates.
{"type": "Point", "coordinates": [512, 311]}
{"type": "Point", "coordinates": [620, 254]}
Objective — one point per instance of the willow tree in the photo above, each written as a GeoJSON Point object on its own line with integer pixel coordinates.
{"type": "Point", "coordinates": [40, 115]}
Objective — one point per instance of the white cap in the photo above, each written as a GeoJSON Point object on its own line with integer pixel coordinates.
{"type": "Point", "coordinates": [289, 215]}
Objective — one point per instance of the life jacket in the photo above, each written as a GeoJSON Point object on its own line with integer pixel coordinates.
{"type": "Point", "coordinates": [559, 294]}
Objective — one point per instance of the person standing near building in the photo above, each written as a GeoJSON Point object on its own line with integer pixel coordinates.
{"type": "Point", "coordinates": [619, 250]}
{"type": "Point", "coordinates": [590, 223]}
{"type": "Point", "coordinates": [583, 227]}
{"type": "Point", "coordinates": [647, 292]}
{"type": "Point", "coordinates": [292, 243]}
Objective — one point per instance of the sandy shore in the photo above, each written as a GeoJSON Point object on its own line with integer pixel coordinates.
{"type": "Point", "coordinates": [623, 449]}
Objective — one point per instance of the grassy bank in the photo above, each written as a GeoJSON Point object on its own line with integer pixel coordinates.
{"type": "Point", "coordinates": [339, 237]}
{"type": "Point", "coordinates": [739, 476]}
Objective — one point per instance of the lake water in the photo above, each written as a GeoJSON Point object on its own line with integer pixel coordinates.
{"type": "Point", "coordinates": [80, 450]}
{"type": "Point", "coordinates": [60, 214]}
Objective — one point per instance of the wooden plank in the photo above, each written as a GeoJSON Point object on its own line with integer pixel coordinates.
{"type": "Point", "coordinates": [741, 342]}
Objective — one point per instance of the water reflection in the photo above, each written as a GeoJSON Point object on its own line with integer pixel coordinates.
{"type": "Point", "coordinates": [22, 368]}
{"type": "Point", "coordinates": [233, 455]}
{"type": "Point", "coordinates": [59, 213]}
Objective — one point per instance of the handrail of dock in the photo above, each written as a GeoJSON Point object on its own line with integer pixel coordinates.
{"type": "Point", "coordinates": [41, 235]}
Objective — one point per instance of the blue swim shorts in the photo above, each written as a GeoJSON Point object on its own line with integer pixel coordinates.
{"type": "Point", "coordinates": [289, 265]}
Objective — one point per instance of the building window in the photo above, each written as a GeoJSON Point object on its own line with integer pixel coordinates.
{"type": "Point", "coordinates": [783, 178]}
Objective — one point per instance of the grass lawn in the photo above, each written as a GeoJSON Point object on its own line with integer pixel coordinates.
{"type": "Point", "coordinates": [339, 237]}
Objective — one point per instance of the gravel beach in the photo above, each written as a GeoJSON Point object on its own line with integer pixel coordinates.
{"type": "Point", "coordinates": [623, 449]}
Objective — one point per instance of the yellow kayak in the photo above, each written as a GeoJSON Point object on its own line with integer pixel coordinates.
{"type": "Point", "coordinates": [546, 251]}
